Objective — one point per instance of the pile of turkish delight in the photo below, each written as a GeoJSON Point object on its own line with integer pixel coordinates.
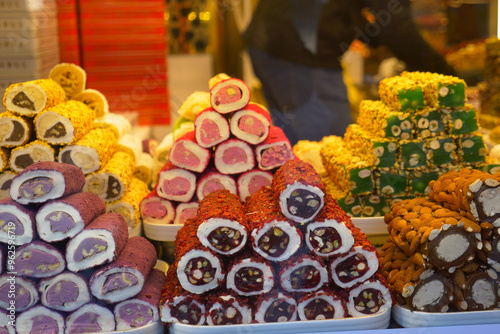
{"type": "Point", "coordinates": [288, 253]}
{"type": "Point", "coordinates": [233, 146]}
{"type": "Point", "coordinates": [68, 266]}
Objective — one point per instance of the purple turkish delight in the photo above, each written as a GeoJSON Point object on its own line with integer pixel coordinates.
{"type": "Point", "coordinates": [40, 319]}
{"type": "Point", "coordinates": [38, 259]}
{"type": "Point", "coordinates": [90, 318]}
{"type": "Point", "coordinates": [17, 223]}
{"type": "Point", "coordinates": [64, 292]}
{"type": "Point", "coordinates": [19, 290]}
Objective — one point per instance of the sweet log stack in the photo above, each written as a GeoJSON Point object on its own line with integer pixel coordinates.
{"type": "Point", "coordinates": [443, 252]}
{"type": "Point", "coordinates": [240, 263]}
{"type": "Point", "coordinates": [58, 119]}
{"type": "Point", "coordinates": [76, 270]}
{"type": "Point", "coordinates": [233, 146]}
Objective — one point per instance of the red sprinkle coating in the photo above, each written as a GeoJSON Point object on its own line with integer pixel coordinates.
{"type": "Point", "coordinates": [295, 171]}
{"type": "Point", "coordinates": [222, 204]}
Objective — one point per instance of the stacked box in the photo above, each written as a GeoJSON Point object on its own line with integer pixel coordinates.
{"type": "Point", "coordinates": [28, 40]}
{"type": "Point", "coordinates": [419, 129]}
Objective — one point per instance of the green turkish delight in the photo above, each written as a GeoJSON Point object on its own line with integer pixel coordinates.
{"type": "Point", "coordinates": [441, 151]}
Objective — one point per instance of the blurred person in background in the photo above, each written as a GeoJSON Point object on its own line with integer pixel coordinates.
{"type": "Point", "coordinates": [296, 46]}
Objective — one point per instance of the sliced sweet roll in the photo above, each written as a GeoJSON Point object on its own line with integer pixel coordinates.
{"type": "Point", "coordinates": [493, 258]}
{"type": "Point", "coordinates": [274, 151]}
{"type": "Point", "coordinates": [199, 269]}
{"type": "Point", "coordinates": [234, 156]}
{"type": "Point", "coordinates": [221, 222]}
{"type": "Point", "coordinates": [229, 95]}
{"type": "Point", "coordinates": [179, 305]}
{"type": "Point", "coordinates": [476, 291]}
{"type": "Point", "coordinates": [72, 78]}
{"type": "Point", "coordinates": [124, 277]}
{"type": "Point", "coordinates": [175, 184]}
{"type": "Point", "coordinates": [100, 242]}
{"type": "Point", "coordinates": [2, 259]}
{"type": "Point", "coordinates": [303, 273]}
{"type": "Point", "coordinates": [17, 223]}
{"type": "Point", "coordinates": [211, 128]}
{"type": "Point", "coordinates": [144, 166]}
{"type": "Point", "coordinates": [276, 306]}
{"type": "Point", "coordinates": [116, 123]}
{"type": "Point", "coordinates": [90, 152]}
{"type": "Point", "coordinates": [142, 309]}
{"type": "Point", "coordinates": [112, 180]}
{"type": "Point", "coordinates": [5, 323]}
{"type": "Point", "coordinates": [128, 204]}
{"type": "Point", "coordinates": [63, 218]}
{"type": "Point", "coordinates": [328, 237]}
{"type": "Point", "coordinates": [15, 130]}
{"type": "Point", "coordinates": [25, 296]}
{"type": "Point", "coordinates": [299, 189]}
{"type": "Point", "coordinates": [353, 267]}
{"type": "Point", "coordinates": [95, 100]}
{"type": "Point", "coordinates": [157, 210]}
{"type": "Point", "coordinates": [185, 211]}
{"type": "Point", "coordinates": [64, 292]}
{"type": "Point", "coordinates": [251, 181]}
{"type": "Point", "coordinates": [40, 317]}
{"type": "Point", "coordinates": [39, 259]}
{"type": "Point", "coordinates": [46, 180]}
{"type": "Point", "coordinates": [186, 153]}
{"type": "Point", "coordinates": [6, 178]}
{"type": "Point", "coordinates": [227, 309]}
{"type": "Point", "coordinates": [321, 305]}
{"type": "Point", "coordinates": [272, 236]}
{"type": "Point", "coordinates": [31, 97]}
{"type": "Point", "coordinates": [90, 318]}
{"type": "Point", "coordinates": [64, 123]}
{"type": "Point", "coordinates": [4, 158]}
{"type": "Point", "coordinates": [249, 275]}
{"type": "Point", "coordinates": [251, 123]}
{"type": "Point", "coordinates": [25, 156]}
{"type": "Point", "coordinates": [431, 292]}
{"type": "Point", "coordinates": [370, 297]}
{"type": "Point", "coordinates": [211, 181]}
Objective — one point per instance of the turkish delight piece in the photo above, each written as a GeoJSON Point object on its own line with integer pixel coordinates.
{"type": "Point", "coordinates": [377, 118]}
{"type": "Point", "coordinates": [144, 167]}
{"type": "Point", "coordinates": [63, 218]}
{"type": "Point", "coordinates": [234, 156]}
{"type": "Point", "coordinates": [229, 95]}
{"type": "Point", "coordinates": [6, 323]}
{"type": "Point", "coordinates": [478, 291]}
{"type": "Point", "coordinates": [228, 309]}
{"type": "Point", "coordinates": [253, 180]}
{"type": "Point", "coordinates": [157, 210]}
{"type": "Point", "coordinates": [432, 292]}
{"type": "Point", "coordinates": [179, 305]}
{"type": "Point", "coordinates": [72, 78]}
{"type": "Point", "coordinates": [6, 178]}
{"type": "Point", "coordinates": [413, 155]}
{"type": "Point", "coordinates": [185, 211]}
{"type": "Point", "coordinates": [275, 306]}
{"type": "Point", "coordinates": [95, 100]}
{"type": "Point", "coordinates": [299, 190]}
{"type": "Point", "coordinates": [212, 180]}
{"type": "Point", "coordinates": [321, 305]}
{"type": "Point", "coordinates": [471, 148]}
{"type": "Point", "coordinates": [429, 123]}
{"type": "Point", "coordinates": [38, 317]}
{"type": "Point", "coordinates": [125, 277]}
{"type": "Point", "coordinates": [401, 93]}
{"type": "Point", "coordinates": [113, 179]}
{"type": "Point", "coordinates": [17, 223]}
{"type": "Point", "coordinates": [91, 317]}
{"type": "Point", "coordinates": [419, 181]}
{"type": "Point", "coordinates": [31, 97]}
{"type": "Point", "coordinates": [176, 184]}
{"type": "Point", "coordinates": [251, 124]}
{"type": "Point", "coordinates": [14, 130]}
{"type": "Point", "coordinates": [461, 121]}
{"type": "Point", "coordinates": [211, 128]}
{"type": "Point", "coordinates": [352, 205]}
{"type": "Point", "coordinates": [376, 205]}
{"type": "Point", "coordinates": [188, 154]}
{"type": "Point", "coordinates": [64, 292]}
{"type": "Point", "coordinates": [272, 236]}
{"type": "Point", "coordinates": [26, 294]}
{"type": "Point", "coordinates": [392, 182]}
{"type": "Point", "coordinates": [46, 180]}
{"type": "Point", "coordinates": [64, 123]}
{"type": "Point", "coordinates": [274, 151]}
{"type": "Point", "coordinates": [248, 275]}
{"type": "Point", "coordinates": [442, 151]}
{"type": "Point", "coordinates": [302, 272]}
{"type": "Point", "coordinates": [142, 309]}
{"type": "Point", "coordinates": [116, 123]}
{"type": "Point", "coordinates": [370, 297]}
{"type": "Point", "coordinates": [221, 223]}
{"type": "Point", "coordinates": [39, 259]}
{"type": "Point", "coordinates": [128, 204]}
{"type": "Point", "coordinates": [90, 152]}
{"type": "Point", "coordinates": [98, 243]}
{"type": "Point", "coordinates": [25, 156]}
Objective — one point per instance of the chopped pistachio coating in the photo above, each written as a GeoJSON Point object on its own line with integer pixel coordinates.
{"type": "Point", "coordinates": [128, 205]}
{"type": "Point", "coordinates": [472, 148]}
{"type": "Point", "coordinates": [401, 93]}
{"type": "Point", "coordinates": [419, 181]}
{"type": "Point", "coordinates": [35, 151]}
{"type": "Point", "coordinates": [4, 158]}
{"type": "Point", "coordinates": [462, 121]}
{"type": "Point", "coordinates": [377, 118]}
{"type": "Point", "coordinates": [392, 182]}
{"type": "Point", "coordinates": [441, 151]}
{"type": "Point", "coordinates": [428, 123]}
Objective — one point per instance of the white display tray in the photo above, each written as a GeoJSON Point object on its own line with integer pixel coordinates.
{"type": "Point", "coordinates": [153, 328]}
{"type": "Point", "coordinates": [407, 318]}
{"type": "Point", "coordinates": [377, 321]}
{"type": "Point", "coordinates": [167, 232]}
